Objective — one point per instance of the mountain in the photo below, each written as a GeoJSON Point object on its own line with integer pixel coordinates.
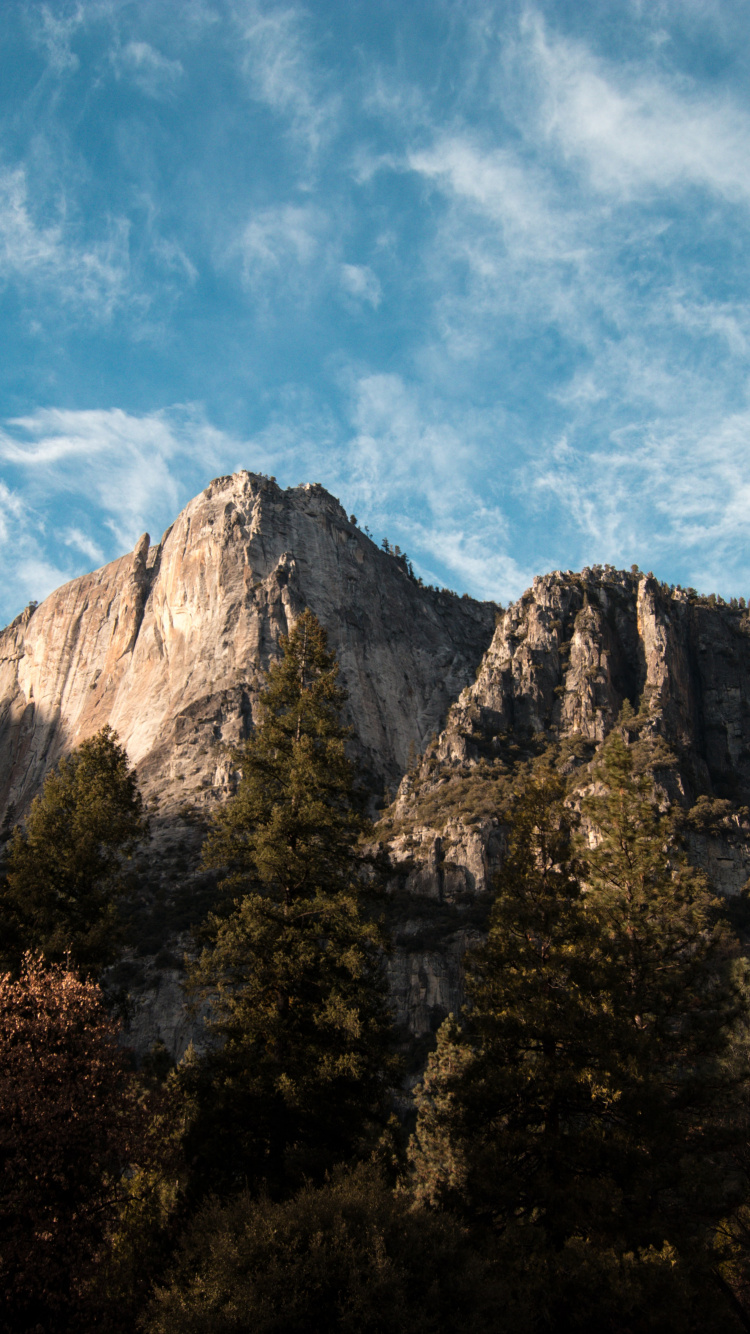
{"type": "Point", "coordinates": [446, 696]}
{"type": "Point", "coordinates": [169, 644]}
{"type": "Point", "coordinates": [562, 662]}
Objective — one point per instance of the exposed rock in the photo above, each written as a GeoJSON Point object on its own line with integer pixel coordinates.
{"type": "Point", "coordinates": [169, 644]}
{"type": "Point", "coordinates": [562, 661]}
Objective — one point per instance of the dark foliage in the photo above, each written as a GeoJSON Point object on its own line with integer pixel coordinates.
{"type": "Point", "coordinates": [66, 867]}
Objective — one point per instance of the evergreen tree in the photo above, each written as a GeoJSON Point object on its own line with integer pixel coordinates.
{"type": "Point", "coordinates": [587, 1110]}
{"type": "Point", "coordinates": [506, 1106]}
{"type": "Point", "coordinates": [66, 868]}
{"type": "Point", "coordinates": [298, 1073]}
{"type": "Point", "coordinates": [672, 991]}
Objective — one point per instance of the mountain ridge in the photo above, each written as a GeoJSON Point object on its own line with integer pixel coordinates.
{"type": "Point", "coordinates": [169, 643]}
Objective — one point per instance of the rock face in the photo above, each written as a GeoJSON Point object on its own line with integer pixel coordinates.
{"type": "Point", "coordinates": [575, 647]}
{"type": "Point", "coordinates": [562, 661]}
{"type": "Point", "coordinates": [169, 644]}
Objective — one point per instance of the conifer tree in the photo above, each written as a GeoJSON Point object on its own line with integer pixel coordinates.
{"type": "Point", "coordinates": [588, 1109]}
{"type": "Point", "coordinates": [672, 992]}
{"type": "Point", "coordinates": [299, 1069]}
{"type": "Point", "coordinates": [66, 867]}
{"type": "Point", "coordinates": [506, 1105]}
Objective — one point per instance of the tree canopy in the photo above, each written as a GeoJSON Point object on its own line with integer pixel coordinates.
{"type": "Point", "coordinates": [71, 1123]}
{"type": "Point", "coordinates": [299, 1071]}
{"type": "Point", "coordinates": [585, 1110]}
{"type": "Point", "coordinates": [65, 867]}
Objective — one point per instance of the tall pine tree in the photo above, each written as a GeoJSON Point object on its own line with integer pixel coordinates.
{"type": "Point", "coordinates": [506, 1105]}
{"type": "Point", "coordinates": [587, 1110]}
{"type": "Point", "coordinates": [299, 1070]}
{"type": "Point", "coordinates": [672, 992]}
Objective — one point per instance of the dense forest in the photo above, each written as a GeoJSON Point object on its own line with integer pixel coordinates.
{"type": "Point", "coordinates": [574, 1157]}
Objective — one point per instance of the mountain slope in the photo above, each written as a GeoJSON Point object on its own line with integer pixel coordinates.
{"type": "Point", "coordinates": [169, 644]}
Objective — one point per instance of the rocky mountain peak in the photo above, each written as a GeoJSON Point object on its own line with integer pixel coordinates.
{"type": "Point", "coordinates": [169, 644]}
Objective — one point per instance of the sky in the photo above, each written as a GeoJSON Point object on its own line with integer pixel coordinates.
{"type": "Point", "coordinates": [482, 270]}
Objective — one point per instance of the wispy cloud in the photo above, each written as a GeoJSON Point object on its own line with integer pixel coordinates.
{"type": "Point", "coordinates": [414, 461]}
{"type": "Point", "coordinates": [53, 33]}
{"type": "Point", "coordinates": [634, 130]}
{"type": "Point", "coordinates": [90, 275]}
{"type": "Point", "coordinates": [281, 72]}
{"type": "Point", "coordinates": [274, 236]}
{"type": "Point", "coordinates": [73, 537]}
{"type": "Point", "coordinates": [659, 496]}
{"type": "Point", "coordinates": [360, 282]}
{"type": "Point", "coordinates": [152, 73]}
{"type": "Point", "coordinates": [133, 468]}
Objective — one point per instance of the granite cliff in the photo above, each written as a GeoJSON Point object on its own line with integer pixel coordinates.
{"type": "Point", "coordinates": [562, 662]}
{"type": "Point", "coordinates": [169, 643]}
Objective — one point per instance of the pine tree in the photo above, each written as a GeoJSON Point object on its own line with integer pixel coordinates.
{"type": "Point", "coordinates": [506, 1106]}
{"type": "Point", "coordinates": [66, 867]}
{"type": "Point", "coordinates": [299, 1072]}
{"type": "Point", "coordinates": [672, 991]}
{"type": "Point", "coordinates": [588, 1108]}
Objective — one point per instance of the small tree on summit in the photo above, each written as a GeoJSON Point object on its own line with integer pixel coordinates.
{"type": "Point", "coordinates": [65, 867]}
{"type": "Point", "coordinates": [299, 1075]}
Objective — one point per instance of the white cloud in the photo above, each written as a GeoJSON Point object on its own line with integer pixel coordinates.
{"type": "Point", "coordinates": [360, 282]}
{"type": "Point", "coordinates": [280, 71]}
{"type": "Point", "coordinates": [285, 249]}
{"type": "Point", "coordinates": [26, 574]}
{"type": "Point", "coordinates": [73, 537]}
{"type": "Point", "coordinates": [637, 131]}
{"type": "Point", "coordinates": [150, 71]}
{"type": "Point", "coordinates": [54, 35]}
{"type": "Point", "coordinates": [94, 276]}
{"type": "Point", "coordinates": [133, 469]}
{"type": "Point", "coordinates": [415, 462]}
{"type": "Point", "coordinates": [497, 185]}
{"type": "Point", "coordinates": [660, 495]}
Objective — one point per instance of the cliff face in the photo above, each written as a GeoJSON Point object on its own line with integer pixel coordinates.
{"type": "Point", "coordinates": [565, 657]}
{"type": "Point", "coordinates": [562, 661]}
{"type": "Point", "coordinates": [168, 644]}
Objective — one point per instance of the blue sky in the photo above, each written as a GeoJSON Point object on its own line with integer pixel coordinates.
{"type": "Point", "coordinates": [483, 270]}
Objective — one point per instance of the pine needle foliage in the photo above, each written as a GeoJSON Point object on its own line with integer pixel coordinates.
{"type": "Point", "coordinates": [294, 823]}
{"type": "Point", "coordinates": [66, 869]}
{"type": "Point", "coordinates": [506, 1105]}
{"type": "Point", "coordinates": [587, 1109]}
{"type": "Point", "coordinates": [299, 1072]}
{"type": "Point", "coordinates": [674, 1000]}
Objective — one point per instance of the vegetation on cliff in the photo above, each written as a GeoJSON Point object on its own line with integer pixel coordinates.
{"type": "Point", "coordinates": [589, 1112]}
{"type": "Point", "coordinates": [579, 1156]}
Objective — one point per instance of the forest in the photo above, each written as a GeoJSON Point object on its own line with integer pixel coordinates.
{"type": "Point", "coordinates": [574, 1156]}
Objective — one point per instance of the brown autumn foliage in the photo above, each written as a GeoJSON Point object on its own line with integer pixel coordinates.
{"type": "Point", "coordinates": [70, 1124]}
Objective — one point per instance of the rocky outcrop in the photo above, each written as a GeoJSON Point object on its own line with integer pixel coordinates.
{"type": "Point", "coordinates": [566, 656]}
{"type": "Point", "coordinates": [562, 662]}
{"type": "Point", "coordinates": [169, 644]}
